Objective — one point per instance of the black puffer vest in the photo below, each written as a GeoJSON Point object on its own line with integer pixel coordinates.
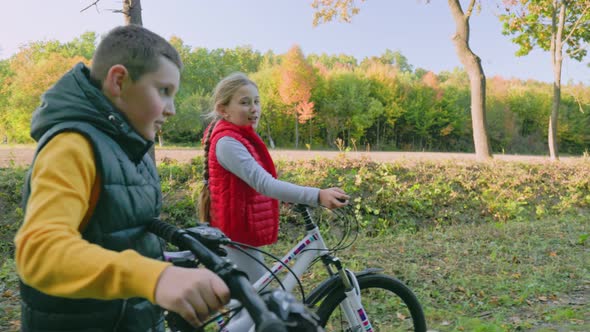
{"type": "Point", "coordinates": [130, 197]}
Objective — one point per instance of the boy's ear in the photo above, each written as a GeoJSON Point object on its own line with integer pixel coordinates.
{"type": "Point", "coordinates": [113, 82]}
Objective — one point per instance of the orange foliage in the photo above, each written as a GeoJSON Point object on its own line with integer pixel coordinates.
{"type": "Point", "coordinates": [305, 111]}
{"type": "Point", "coordinates": [297, 80]}
{"type": "Point", "coordinates": [431, 80]}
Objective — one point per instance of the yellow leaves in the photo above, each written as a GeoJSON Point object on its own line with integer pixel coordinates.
{"type": "Point", "coordinates": [327, 10]}
{"type": "Point", "coordinates": [34, 77]}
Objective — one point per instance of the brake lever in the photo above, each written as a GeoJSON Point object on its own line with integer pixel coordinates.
{"type": "Point", "coordinates": [210, 237]}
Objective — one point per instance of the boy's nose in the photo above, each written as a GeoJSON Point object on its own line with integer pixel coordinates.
{"type": "Point", "coordinates": [170, 110]}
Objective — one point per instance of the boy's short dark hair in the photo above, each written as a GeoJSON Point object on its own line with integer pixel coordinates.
{"type": "Point", "coordinates": [136, 48]}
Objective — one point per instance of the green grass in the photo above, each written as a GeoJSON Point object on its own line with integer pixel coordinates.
{"type": "Point", "coordinates": [520, 276]}
{"type": "Point", "coordinates": [486, 247]}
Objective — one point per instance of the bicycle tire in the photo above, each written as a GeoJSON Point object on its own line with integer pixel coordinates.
{"type": "Point", "coordinates": [403, 307]}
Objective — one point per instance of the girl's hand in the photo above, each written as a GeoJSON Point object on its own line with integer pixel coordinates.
{"type": "Point", "coordinates": [333, 198]}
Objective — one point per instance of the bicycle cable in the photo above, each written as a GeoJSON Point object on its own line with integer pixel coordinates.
{"type": "Point", "coordinates": [275, 258]}
{"type": "Point", "coordinates": [345, 214]}
{"type": "Point", "coordinates": [238, 246]}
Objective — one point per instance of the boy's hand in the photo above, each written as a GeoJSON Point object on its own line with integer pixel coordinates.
{"type": "Point", "coordinates": [333, 198]}
{"type": "Point", "coordinates": [192, 293]}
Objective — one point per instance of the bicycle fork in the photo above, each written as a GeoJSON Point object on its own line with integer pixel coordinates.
{"type": "Point", "coordinates": [353, 308]}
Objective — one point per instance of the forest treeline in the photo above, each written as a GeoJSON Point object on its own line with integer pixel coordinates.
{"type": "Point", "coordinates": [325, 101]}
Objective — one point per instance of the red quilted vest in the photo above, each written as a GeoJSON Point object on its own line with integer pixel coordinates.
{"type": "Point", "coordinates": [243, 214]}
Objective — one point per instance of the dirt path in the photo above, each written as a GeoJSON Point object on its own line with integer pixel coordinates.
{"type": "Point", "coordinates": [24, 155]}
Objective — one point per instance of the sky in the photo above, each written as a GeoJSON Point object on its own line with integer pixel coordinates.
{"type": "Point", "coordinates": [421, 32]}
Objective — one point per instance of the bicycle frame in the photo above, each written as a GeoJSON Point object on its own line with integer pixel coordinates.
{"type": "Point", "coordinates": [301, 257]}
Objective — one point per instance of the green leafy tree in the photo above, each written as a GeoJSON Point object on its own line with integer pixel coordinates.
{"type": "Point", "coordinates": [327, 10]}
{"type": "Point", "coordinates": [384, 84]}
{"type": "Point", "coordinates": [274, 123]}
{"type": "Point", "coordinates": [5, 74]}
{"type": "Point", "coordinates": [396, 59]}
{"type": "Point", "coordinates": [349, 108]}
{"type": "Point", "coordinates": [187, 124]}
{"type": "Point", "coordinates": [556, 26]}
{"type": "Point", "coordinates": [34, 73]}
{"type": "Point", "coordinates": [332, 61]}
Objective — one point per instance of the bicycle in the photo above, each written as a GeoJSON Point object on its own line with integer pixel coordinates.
{"type": "Point", "coordinates": [275, 311]}
{"type": "Point", "coordinates": [342, 302]}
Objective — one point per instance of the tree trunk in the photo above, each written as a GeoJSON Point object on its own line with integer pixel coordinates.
{"type": "Point", "coordinates": [132, 12]}
{"type": "Point", "coordinates": [477, 79]}
{"type": "Point", "coordinates": [296, 130]}
{"type": "Point", "coordinates": [310, 132]}
{"type": "Point", "coordinates": [378, 145]}
{"type": "Point", "coordinates": [556, 61]}
{"type": "Point", "coordinates": [270, 140]}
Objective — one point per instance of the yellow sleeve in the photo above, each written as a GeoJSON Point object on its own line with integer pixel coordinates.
{"type": "Point", "coordinates": [51, 255]}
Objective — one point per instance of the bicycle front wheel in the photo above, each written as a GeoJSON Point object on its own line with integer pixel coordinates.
{"type": "Point", "coordinates": [390, 306]}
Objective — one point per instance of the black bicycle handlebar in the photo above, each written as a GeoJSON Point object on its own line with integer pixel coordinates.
{"type": "Point", "coordinates": [239, 286]}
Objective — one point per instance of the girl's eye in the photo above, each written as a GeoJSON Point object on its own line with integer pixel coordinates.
{"type": "Point", "coordinates": [257, 102]}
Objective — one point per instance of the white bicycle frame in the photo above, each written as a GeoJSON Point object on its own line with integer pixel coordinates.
{"type": "Point", "coordinates": [303, 254]}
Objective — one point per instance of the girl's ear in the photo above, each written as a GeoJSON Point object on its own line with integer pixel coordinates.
{"type": "Point", "coordinates": [113, 82]}
{"type": "Point", "coordinates": [220, 109]}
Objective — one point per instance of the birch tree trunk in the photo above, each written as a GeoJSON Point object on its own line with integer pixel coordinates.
{"type": "Point", "coordinates": [556, 61]}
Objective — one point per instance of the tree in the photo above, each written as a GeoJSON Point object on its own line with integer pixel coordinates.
{"type": "Point", "coordinates": [268, 80]}
{"type": "Point", "coordinates": [326, 10]}
{"type": "Point", "coordinates": [477, 78]}
{"type": "Point", "coordinates": [555, 26]}
{"type": "Point", "coordinates": [396, 59]}
{"type": "Point", "coordinates": [132, 13]}
{"type": "Point", "coordinates": [297, 80]}
{"type": "Point", "coordinates": [34, 72]}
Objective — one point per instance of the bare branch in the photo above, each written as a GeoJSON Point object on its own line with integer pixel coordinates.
{"type": "Point", "coordinates": [469, 9]}
{"type": "Point", "coordinates": [577, 99]}
{"type": "Point", "coordinates": [92, 4]}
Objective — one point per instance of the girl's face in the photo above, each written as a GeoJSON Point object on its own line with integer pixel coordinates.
{"type": "Point", "coordinates": [243, 108]}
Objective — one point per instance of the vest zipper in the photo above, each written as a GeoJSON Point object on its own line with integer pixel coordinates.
{"type": "Point", "coordinates": [123, 307]}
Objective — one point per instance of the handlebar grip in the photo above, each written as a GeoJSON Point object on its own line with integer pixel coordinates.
{"type": "Point", "coordinates": [164, 230]}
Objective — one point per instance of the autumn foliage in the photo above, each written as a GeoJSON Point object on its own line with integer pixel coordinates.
{"type": "Point", "coordinates": [326, 101]}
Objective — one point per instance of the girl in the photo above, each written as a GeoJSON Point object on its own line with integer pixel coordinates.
{"type": "Point", "coordinates": [241, 189]}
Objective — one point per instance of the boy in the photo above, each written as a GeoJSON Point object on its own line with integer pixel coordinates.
{"type": "Point", "coordinates": [84, 256]}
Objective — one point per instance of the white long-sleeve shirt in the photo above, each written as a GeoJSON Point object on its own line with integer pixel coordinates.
{"type": "Point", "coordinates": [234, 157]}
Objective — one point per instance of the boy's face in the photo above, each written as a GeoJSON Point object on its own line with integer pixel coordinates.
{"type": "Point", "coordinates": [243, 108]}
{"type": "Point", "coordinates": [149, 101]}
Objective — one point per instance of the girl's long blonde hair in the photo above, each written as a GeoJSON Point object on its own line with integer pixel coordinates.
{"type": "Point", "coordinates": [222, 95]}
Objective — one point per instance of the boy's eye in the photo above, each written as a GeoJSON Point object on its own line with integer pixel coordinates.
{"type": "Point", "coordinates": [164, 91]}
